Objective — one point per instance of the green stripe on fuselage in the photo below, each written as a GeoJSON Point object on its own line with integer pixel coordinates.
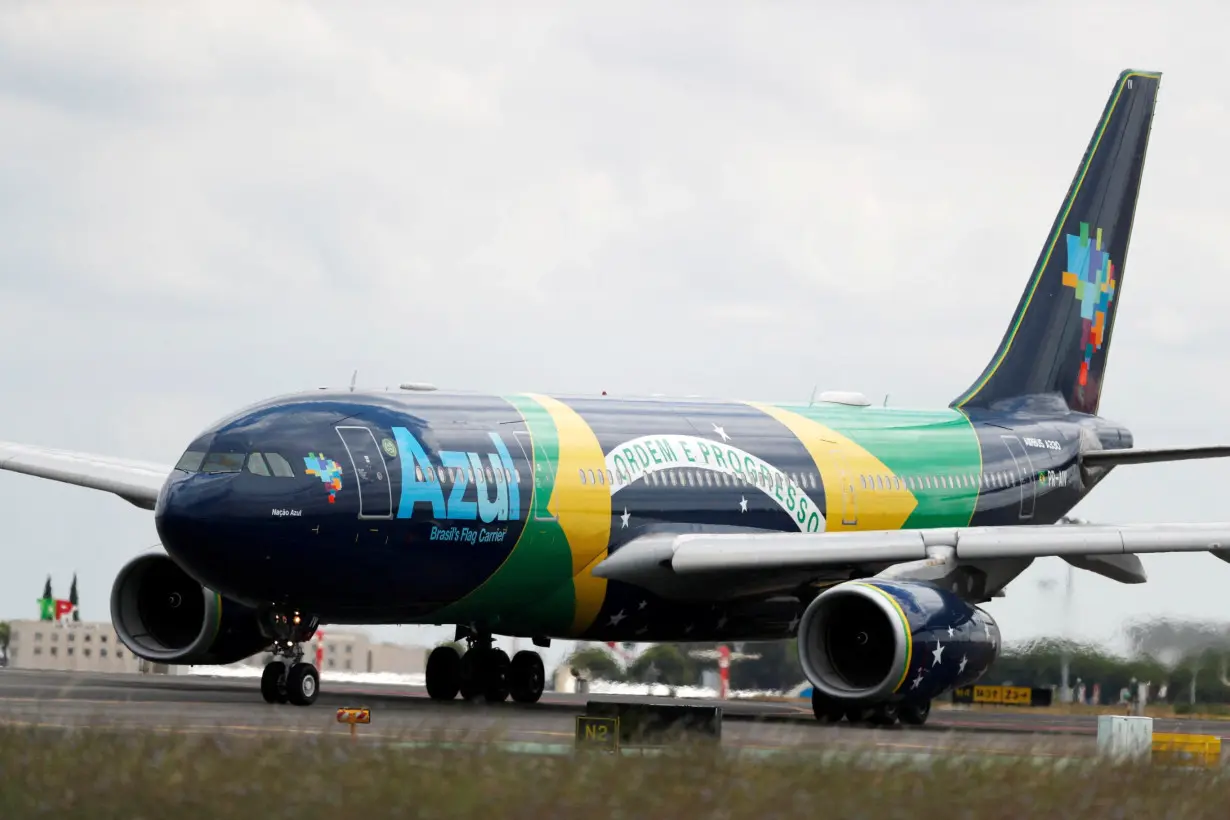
{"type": "Point", "coordinates": [532, 591]}
{"type": "Point", "coordinates": [917, 444]}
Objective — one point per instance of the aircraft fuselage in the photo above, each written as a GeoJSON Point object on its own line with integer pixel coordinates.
{"type": "Point", "coordinates": [460, 508]}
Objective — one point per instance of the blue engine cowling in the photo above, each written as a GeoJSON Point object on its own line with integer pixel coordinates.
{"type": "Point", "coordinates": [872, 641]}
{"type": "Point", "coordinates": [163, 615]}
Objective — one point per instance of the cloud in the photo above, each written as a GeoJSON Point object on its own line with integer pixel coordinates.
{"type": "Point", "coordinates": [207, 205]}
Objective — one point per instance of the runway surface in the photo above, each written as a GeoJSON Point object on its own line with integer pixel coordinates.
{"type": "Point", "coordinates": [190, 703]}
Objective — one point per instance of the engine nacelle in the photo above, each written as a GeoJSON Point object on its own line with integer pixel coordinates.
{"type": "Point", "coordinates": [163, 615]}
{"type": "Point", "coordinates": [874, 641]}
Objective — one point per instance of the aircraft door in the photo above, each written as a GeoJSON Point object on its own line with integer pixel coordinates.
{"type": "Point", "coordinates": [848, 501]}
{"type": "Point", "coordinates": [1025, 475]}
{"type": "Point", "coordinates": [370, 471]}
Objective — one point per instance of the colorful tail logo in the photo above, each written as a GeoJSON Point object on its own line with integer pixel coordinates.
{"type": "Point", "coordinates": [328, 470]}
{"type": "Point", "coordinates": [1092, 275]}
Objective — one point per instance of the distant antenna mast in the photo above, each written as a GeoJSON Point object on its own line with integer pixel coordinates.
{"type": "Point", "coordinates": [812, 400]}
{"type": "Point", "coordinates": [886, 395]}
{"type": "Point", "coordinates": [353, 377]}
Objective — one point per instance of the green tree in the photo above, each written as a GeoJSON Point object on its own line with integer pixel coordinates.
{"type": "Point", "coordinates": [72, 598]}
{"type": "Point", "coordinates": [598, 663]}
{"type": "Point", "coordinates": [665, 663]}
{"type": "Point", "coordinates": [1040, 663]}
{"type": "Point", "coordinates": [6, 633]}
{"type": "Point", "coordinates": [776, 669]}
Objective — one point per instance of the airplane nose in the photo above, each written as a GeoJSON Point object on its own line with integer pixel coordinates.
{"type": "Point", "coordinates": [192, 524]}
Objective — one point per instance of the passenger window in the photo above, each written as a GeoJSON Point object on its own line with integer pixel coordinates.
{"type": "Point", "coordinates": [418, 473]}
{"type": "Point", "coordinates": [190, 461]}
{"type": "Point", "coordinates": [490, 476]}
{"type": "Point", "coordinates": [280, 466]}
{"type": "Point", "coordinates": [257, 465]}
{"type": "Point", "coordinates": [581, 472]}
{"type": "Point", "coordinates": [591, 477]}
{"type": "Point", "coordinates": [880, 482]}
{"type": "Point", "coordinates": [223, 462]}
{"type": "Point", "coordinates": [601, 477]}
{"type": "Point", "coordinates": [863, 480]}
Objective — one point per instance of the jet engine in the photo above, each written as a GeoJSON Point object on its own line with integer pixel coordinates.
{"type": "Point", "coordinates": [163, 615]}
{"type": "Point", "coordinates": [872, 641]}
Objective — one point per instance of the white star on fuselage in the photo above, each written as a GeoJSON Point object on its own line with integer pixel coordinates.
{"type": "Point", "coordinates": [949, 628]}
{"type": "Point", "coordinates": [918, 680]}
{"type": "Point", "coordinates": [624, 518]}
{"type": "Point", "coordinates": [742, 504]}
{"type": "Point", "coordinates": [936, 653]}
{"type": "Point", "coordinates": [721, 431]}
{"type": "Point", "coordinates": [616, 618]}
{"type": "Point", "coordinates": [961, 668]}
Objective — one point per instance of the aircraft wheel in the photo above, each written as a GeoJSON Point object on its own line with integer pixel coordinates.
{"type": "Point", "coordinates": [885, 714]}
{"type": "Point", "coordinates": [495, 675]}
{"type": "Point", "coordinates": [302, 684]}
{"type": "Point", "coordinates": [825, 708]}
{"type": "Point", "coordinates": [272, 689]}
{"type": "Point", "coordinates": [471, 682]}
{"type": "Point", "coordinates": [443, 673]}
{"type": "Point", "coordinates": [526, 677]}
{"type": "Point", "coordinates": [915, 714]}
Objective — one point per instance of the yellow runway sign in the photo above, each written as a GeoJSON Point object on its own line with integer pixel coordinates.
{"type": "Point", "coordinates": [1008, 695]}
{"type": "Point", "coordinates": [598, 732]}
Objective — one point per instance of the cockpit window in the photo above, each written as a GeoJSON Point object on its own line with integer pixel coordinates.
{"type": "Point", "coordinates": [223, 462]}
{"type": "Point", "coordinates": [280, 466]}
{"type": "Point", "coordinates": [257, 465]}
{"type": "Point", "coordinates": [191, 461]}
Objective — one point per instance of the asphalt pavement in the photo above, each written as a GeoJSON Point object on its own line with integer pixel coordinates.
{"type": "Point", "coordinates": [192, 703]}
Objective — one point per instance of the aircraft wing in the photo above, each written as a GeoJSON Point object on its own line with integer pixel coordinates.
{"type": "Point", "coordinates": [683, 564]}
{"type": "Point", "coordinates": [137, 482]}
{"type": "Point", "coordinates": [699, 553]}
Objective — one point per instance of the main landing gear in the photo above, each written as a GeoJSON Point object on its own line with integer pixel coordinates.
{"type": "Point", "coordinates": [911, 713]}
{"type": "Point", "coordinates": [290, 680]}
{"type": "Point", "coordinates": [484, 671]}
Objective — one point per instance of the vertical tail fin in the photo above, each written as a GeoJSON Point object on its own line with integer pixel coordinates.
{"type": "Point", "coordinates": [1059, 338]}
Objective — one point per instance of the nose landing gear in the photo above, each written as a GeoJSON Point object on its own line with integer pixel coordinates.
{"type": "Point", "coordinates": [289, 681]}
{"type": "Point", "coordinates": [484, 671]}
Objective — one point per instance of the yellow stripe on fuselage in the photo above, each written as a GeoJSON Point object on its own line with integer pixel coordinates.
{"type": "Point", "coordinates": [842, 464]}
{"type": "Point", "coordinates": [583, 510]}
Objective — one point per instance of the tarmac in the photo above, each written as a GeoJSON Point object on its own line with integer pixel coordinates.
{"type": "Point", "coordinates": [199, 704]}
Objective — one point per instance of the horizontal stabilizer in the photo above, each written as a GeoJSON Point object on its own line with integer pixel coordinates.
{"type": "Point", "coordinates": [1112, 458]}
{"type": "Point", "coordinates": [137, 482]}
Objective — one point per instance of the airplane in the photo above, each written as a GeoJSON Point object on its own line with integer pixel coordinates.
{"type": "Point", "coordinates": [872, 536]}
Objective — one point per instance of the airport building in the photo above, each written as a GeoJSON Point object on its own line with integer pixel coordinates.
{"type": "Point", "coordinates": [93, 646]}
{"type": "Point", "coordinates": [342, 651]}
{"type": "Point", "coordinates": [87, 646]}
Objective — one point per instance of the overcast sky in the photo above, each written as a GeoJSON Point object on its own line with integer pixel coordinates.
{"type": "Point", "coordinates": [205, 205]}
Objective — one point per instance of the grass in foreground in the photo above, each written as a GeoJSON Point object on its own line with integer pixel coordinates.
{"type": "Point", "coordinates": [134, 775]}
